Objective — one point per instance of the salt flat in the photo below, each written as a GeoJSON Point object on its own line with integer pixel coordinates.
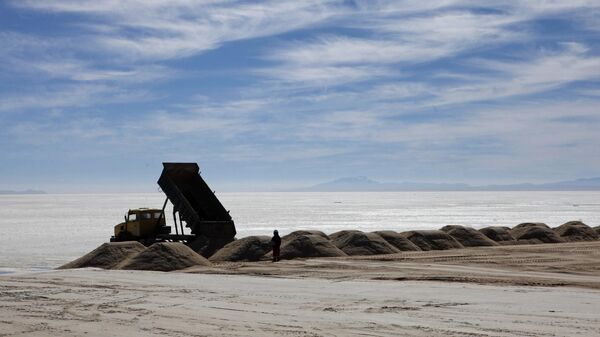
{"type": "Point", "coordinates": [322, 297]}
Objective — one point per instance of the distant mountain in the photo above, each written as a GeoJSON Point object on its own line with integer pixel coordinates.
{"type": "Point", "coordinates": [587, 184]}
{"type": "Point", "coordinates": [348, 184]}
{"type": "Point", "coordinates": [3, 192]}
{"type": "Point", "coordinates": [364, 184]}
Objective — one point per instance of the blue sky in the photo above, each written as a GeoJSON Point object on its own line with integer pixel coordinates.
{"type": "Point", "coordinates": [94, 95]}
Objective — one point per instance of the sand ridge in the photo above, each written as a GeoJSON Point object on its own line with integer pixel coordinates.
{"type": "Point", "coordinates": [107, 256]}
{"type": "Point", "coordinates": [563, 264]}
{"type": "Point", "coordinates": [168, 256]}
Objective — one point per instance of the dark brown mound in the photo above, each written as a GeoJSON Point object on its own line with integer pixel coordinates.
{"type": "Point", "coordinates": [206, 247]}
{"type": "Point", "coordinates": [250, 248]}
{"type": "Point", "coordinates": [200, 245]}
{"type": "Point", "coordinates": [468, 237]}
{"type": "Point", "coordinates": [535, 232]}
{"type": "Point", "coordinates": [397, 240]}
{"type": "Point", "coordinates": [107, 256]}
{"type": "Point", "coordinates": [432, 240]}
{"type": "Point", "coordinates": [304, 232]}
{"type": "Point", "coordinates": [310, 245]}
{"type": "Point", "coordinates": [576, 231]}
{"type": "Point", "coordinates": [498, 234]}
{"type": "Point", "coordinates": [164, 256]}
{"type": "Point", "coordinates": [359, 243]}
{"type": "Point", "coordinates": [597, 229]}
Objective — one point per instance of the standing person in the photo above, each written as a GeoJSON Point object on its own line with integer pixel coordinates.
{"type": "Point", "coordinates": [276, 244]}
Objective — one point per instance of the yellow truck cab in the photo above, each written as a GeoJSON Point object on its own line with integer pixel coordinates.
{"type": "Point", "coordinates": [141, 223]}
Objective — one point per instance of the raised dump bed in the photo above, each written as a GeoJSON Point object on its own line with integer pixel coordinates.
{"type": "Point", "coordinates": [196, 203]}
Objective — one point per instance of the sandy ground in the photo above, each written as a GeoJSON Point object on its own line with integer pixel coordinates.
{"type": "Point", "coordinates": [564, 264]}
{"type": "Point", "coordinates": [494, 292]}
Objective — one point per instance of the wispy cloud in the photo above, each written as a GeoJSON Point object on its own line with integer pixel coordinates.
{"type": "Point", "coordinates": [68, 96]}
{"type": "Point", "coordinates": [394, 40]}
{"type": "Point", "coordinates": [517, 78]}
{"type": "Point", "coordinates": [404, 35]}
{"type": "Point", "coordinates": [175, 29]}
{"type": "Point", "coordinates": [50, 132]}
{"type": "Point", "coordinates": [453, 84]}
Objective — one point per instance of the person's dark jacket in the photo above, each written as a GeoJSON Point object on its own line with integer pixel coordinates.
{"type": "Point", "coordinates": [276, 241]}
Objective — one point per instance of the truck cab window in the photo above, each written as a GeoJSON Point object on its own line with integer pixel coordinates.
{"type": "Point", "coordinates": [146, 216]}
{"type": "Point", "coordinates": [132, 217]}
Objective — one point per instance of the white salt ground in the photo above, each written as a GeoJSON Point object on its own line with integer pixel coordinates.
{"type": "Point", "coordinates": [133, 303]}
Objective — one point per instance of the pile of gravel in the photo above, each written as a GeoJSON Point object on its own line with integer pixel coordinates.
{"type": "Point", "coordinates": [576, 231]}
{"type": "Point", "coordinates": [250, 248]}
{"type": "Point", "coordinates": [397, 240]}
{"type": "Point", "coordinates": [107, 256]}
{"type": "Point", "coordinates": [468, 237]}
{"type": "Point", "coordinates": [308, 245]}
{"type": "Point", "coordinates": [498, 234]}
{"type": "Point", "coordinates": [164, 256]}
{"type": "Point", "coordinates": [304, 232]}
{"type": "Point", "coordinates": [535, 232]}
{"type": "Point", "coordinates": [358, 243]}
{"type": "Point", "coordinates": [432, 240]}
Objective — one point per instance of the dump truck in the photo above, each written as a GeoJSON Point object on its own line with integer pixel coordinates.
{"type": "Point", "coordinates": [194, 203]}
{"type": "Point", "coordinates": [142, 224]}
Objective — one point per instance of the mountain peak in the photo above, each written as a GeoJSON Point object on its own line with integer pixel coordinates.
{"type": "Point", "coordinates": [353, 180]}
{"type": "Point", "coordinates": [364, 184]}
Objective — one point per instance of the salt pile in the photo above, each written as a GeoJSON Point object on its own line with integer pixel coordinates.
{"type": "Point", "coordinates": [535, 232]}
{"type": "Point", "coordinates": [201, 246]}
{"type": "Point", "coordinates": [499, 234]}
{"type": "Point", "coordinates": [304, 232]}
{"type": "Point", "coordinates": [397, 240]}
{"type": "Point", "coordinates": [358, 243]}
{"type": "Point", "coordinates": [468, 237]}
{"type": "Point", "coordinates": [432, 239]}
{"type": "Point", "coordinates": [576, 231]}
{"type": "Point", "coordinates": [107, 256]}
{"type": "Point", "coordinates": [164, 256]}
{"type": "Point", "coordinates": [250, 248]}
{"type": "Point", "coordinates": [311, 245]}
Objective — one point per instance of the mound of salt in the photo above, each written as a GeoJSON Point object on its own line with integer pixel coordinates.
{"type": "Point", "coordinates": [164, 256]}
{"type": "Point", "coordinates": [535, 232]}
{"type": "Point", "coordinates": [359, 243]}
{"type": "Point", "coordinates": [200, 245]}
{"type": "Point", "coordinates": [499, 234]}
{"type": "Point", "coordinates": [304, 232]}
{"type": "Point", "coordinates": [250, 248]}
{"type": "Point", "coordinates": [397, 240]}
{"type": "Point", "coordinates": [468, 237]}
{"type": "Point", "coordinates": [432, 239]}
{"type": "Point", "coordinates": [576, 231]}
{"type": "Point", "coordinates": [107, 256]}
{"type": "Point", "coordinates": [308, 245]}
